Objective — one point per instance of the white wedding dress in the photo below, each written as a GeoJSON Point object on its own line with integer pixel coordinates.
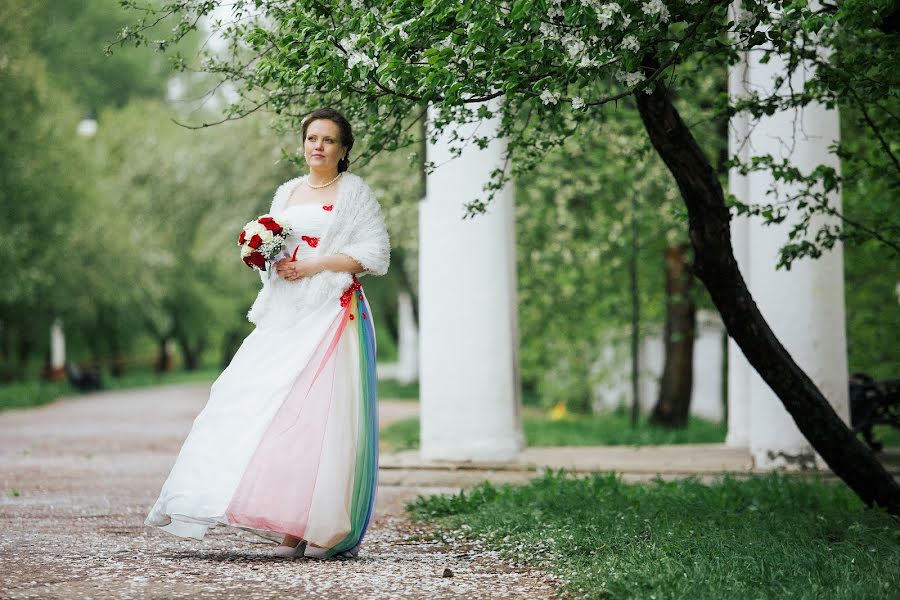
{"type": "Point", "coordinates": [287, 442]}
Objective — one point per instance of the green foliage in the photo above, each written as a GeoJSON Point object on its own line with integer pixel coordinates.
{"type": "Point", "coordinates": [39, 187]}
{"type": "Point", "coordinates": [190, 192]}
{"type": "Point", "coordinates": [71, 37]}
{"type": "Point", "coordinates": [574, 243]}
{"type": "Point", "coordinates": [761, 537]}
{"type": "Point", "coordinates": [555, 65]}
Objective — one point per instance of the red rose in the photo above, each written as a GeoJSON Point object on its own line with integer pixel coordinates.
{"type": "Point", "coordinates": [265, 220]}
{"type": "Point", "coordinates": [271, 225]}
{"type": "Point", "coordinates": [255, 241]}
{"type": "Point", "coordinates": [258, 259]}
{"type": "Point", "coordinates": [243, 237]}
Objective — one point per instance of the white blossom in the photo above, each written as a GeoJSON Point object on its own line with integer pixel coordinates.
{"type": "Point", "coordinates": [656, 7]}
{"type": "Point", "coordinates": [586, 61]}
{"type": "Point", "coordinates": [357, 57]}
{"type": "Point", "coordinates": [577, 103]}
{"type": "Point", "coordinates": [548, 97]}
{"type": "Point", "coordinates": [573, 45]}
{"type": "Point", "coordinates": [549, 32]}
{"type": "Point", "coordinates": [630, 79]}
{"type": "Point", "coordinates": [605, 14]}
{"type": "Point", "coordinates": [630, 42]}
{"type": "Point", "coordinates": [745, 18]}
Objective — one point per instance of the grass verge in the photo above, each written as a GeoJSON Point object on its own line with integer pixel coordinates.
{"type": "Point", "coordinates": [611, 428]}
{"type": "Point", "coordinates": [391, 389]}
{"type": "Point", "coordinates": [29, 394]}
{"type": "Point", "coordinates": [772, 536]}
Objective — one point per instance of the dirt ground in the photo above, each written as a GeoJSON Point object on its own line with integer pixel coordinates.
{"type": "Point", "coordinates": [78, 477]}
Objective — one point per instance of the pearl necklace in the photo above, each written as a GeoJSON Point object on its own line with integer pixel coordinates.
{"type": "Point", "coordinates": [316, 187]}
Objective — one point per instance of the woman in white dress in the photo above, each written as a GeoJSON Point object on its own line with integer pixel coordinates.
{"type": "Point", "coordinates": [287, 443]}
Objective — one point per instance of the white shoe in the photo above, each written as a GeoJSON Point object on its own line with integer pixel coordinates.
{"type": "Point", "coordinates": [282, 551]}
{"type": "Point", "coordinates": [315, 552]}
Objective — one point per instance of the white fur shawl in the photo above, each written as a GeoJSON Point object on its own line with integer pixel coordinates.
{"type": "Point", "coordinates": [357, 230]}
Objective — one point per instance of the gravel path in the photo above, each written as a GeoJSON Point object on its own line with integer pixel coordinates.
{"type": "Point", "coordinates": [79, 475]}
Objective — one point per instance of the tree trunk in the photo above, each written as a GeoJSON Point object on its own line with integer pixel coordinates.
{"type": "Point", "coordinates": [22, 354]}
{"type": "Point", "coordinates": [714, 264]}
{"type": "Point", "coordinates": [191, 354]}
{"type": "Point", "coordinates": [635, 319]}
{"type": "Point", "coordinates": [230, 343]}
{"type": "Point", "coordinates": [164, 358]}
{"type": "Point", "coordinates": [674, 399]}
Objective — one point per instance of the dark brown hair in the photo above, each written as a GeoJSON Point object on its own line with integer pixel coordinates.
{"type": "Point", "coordinates": [343, 125]}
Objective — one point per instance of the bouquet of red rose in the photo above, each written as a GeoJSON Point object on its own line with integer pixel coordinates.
{"type": "Point", "coordinates": [262, 241]}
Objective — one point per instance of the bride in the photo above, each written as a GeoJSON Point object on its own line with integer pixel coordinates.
{"type": "Point", "coordinates": [287, 444]}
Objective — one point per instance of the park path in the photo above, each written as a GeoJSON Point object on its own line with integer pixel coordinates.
{"type": "Point", "coordinates": [79, 475]}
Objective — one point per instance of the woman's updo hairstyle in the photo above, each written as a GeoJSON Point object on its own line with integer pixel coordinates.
{"type": "Point", "coordinates": [343, 125]}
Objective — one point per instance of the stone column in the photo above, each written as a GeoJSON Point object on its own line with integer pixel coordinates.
{"type": "Point", "coordinates": [738, 367]}
{"type": "Point", "coordinates": [469, 384]}
{"type": "Point", "coordinates": [57, 351]}
{"type": "Point", "coordinates": [407, 340]}
{"type": "Point", "coordinates": [804, 306]}
{"type": "Point", "coordinates": [706, 395]}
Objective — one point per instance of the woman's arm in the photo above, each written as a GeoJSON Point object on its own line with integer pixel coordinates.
{"type": "Point", "coordinates": [339, 262]}
{"type": "Point", "coordinates": [307, 267]}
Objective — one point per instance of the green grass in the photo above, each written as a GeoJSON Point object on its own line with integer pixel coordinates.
{"type": "Point", "coordinates": [32, 393]}
{"type": "Point", "coordinates": [614, 428]}
{"type": "Point", "coordinates": [391, 389]}
{"type": "Point", "coordinates": [887, 435]}
{"type": "Point", "coordinates": [29, 394]}
{"type": "Point", "coordinates": [611, 428]}
{"type": "Point", "coordinates": [399, 435]}
{"type": "Point", "coordinates": [772, 536]}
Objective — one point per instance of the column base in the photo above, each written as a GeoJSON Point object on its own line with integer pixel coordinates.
{"type": "Point", "coordinates": [803, 458]}
{"type": "Point", "coordinates": [496, 450]}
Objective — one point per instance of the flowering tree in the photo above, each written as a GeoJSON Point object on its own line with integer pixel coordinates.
{"type": "Point", "coordinates": [556, 65]}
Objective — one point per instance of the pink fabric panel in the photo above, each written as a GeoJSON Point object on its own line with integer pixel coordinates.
{"type": "Point", "coordinates": [276, 491]}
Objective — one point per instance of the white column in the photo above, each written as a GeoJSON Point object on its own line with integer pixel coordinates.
{"type": "Point", "coordinates": [57, 349]}
{"type": "Point", "coordinates": [407, 340]}
{"type": "Point", "coordinates": [804, 306]}
{"type": "Point", "coordinates": [706, 393]}
{"type": "Point", "coordinates": [738, 367]}
{"type": "Point", "coordinates": [469, 384]}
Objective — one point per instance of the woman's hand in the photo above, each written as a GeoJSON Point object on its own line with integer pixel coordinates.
{"type": "Point", "coordinates": [292, 270]}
